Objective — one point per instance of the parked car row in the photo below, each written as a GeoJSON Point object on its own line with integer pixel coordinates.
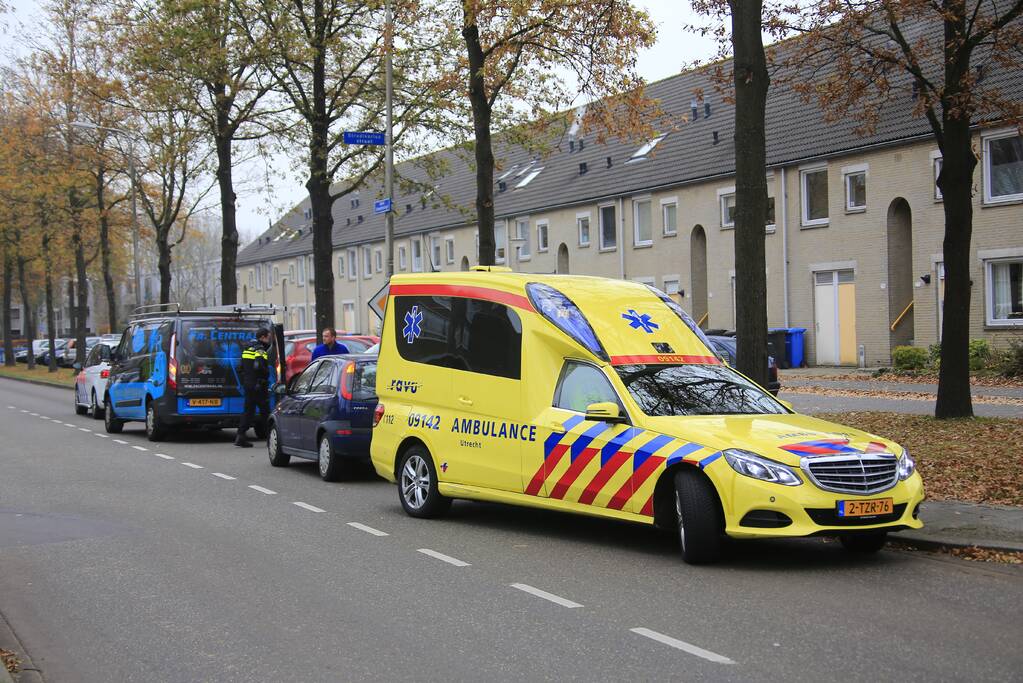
{"type": "Point", "coordinates": [567, 393]}
{"type": "Point", "coordinates": [64, 350]}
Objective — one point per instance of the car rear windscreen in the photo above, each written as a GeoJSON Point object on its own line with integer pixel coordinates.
{"type": "Point", "coordinates": [217, 338]}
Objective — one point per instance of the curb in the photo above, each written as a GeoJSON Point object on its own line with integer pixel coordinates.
{"type": "Point", "coordinates": [936, 544]}
{"type": "Point", "coordinates": [29, 673]}
{"type": "Point", "coordinates": [37, 382]}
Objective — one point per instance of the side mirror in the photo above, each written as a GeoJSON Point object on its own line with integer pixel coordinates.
{"type": "Point", "coordinates": [77, 367]}
{"type": "Point", "coordinates": [280, 390]}
{"type": "Point", "coordinates": [604, 412]}
{"type": "Point", "coordinates": [786, 404]}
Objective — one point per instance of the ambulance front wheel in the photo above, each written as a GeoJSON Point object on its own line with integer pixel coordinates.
{"type": "Point", "coordinates": [699, 518]}
{"type": "Point", "coordinates": [417, 484]}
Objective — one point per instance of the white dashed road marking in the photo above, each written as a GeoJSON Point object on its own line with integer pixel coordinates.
{"type": "Point", "coordinates": [262, 490]}
{"type": "Point", "coordinates": [682, 645]}
{"type": "Point", "coordinates": [444, 558]}
{"type": "Point", "coordinates": [556, 599]}
{"type": "Point", "coordinates": [367, 529]}
{"type": "Point", "coordinates": [68, 424]}
{"type": "Point", "coordinates": [34, 414]}
{"type": "Point", "coordinates": [140, 448]}
{"type": "Point", "coordinates": [165, 457]}
{"type": "Point", "coordinates": [121, 441]}
{"type": "Point", "coordinates": [192, 465]}
{"type": "Point", "coordinates": [83, 429]}
{"type": "Point", "coordinates": [11, 407]}
{"type": "Point", "coordinates": [23, 410]}
{"type": "Point", "coordinates": [102, 436]}
{"type": "Point", "coordinates": [223, 476]}
{"type": "Point", "coordinates": [307, 506]}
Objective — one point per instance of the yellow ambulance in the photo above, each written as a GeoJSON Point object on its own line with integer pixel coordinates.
{"type": "Point", "coordinates": [602, 397]}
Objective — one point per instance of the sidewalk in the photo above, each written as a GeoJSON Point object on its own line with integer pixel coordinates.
{"type": "Point", "coordinates": [867, 384]}
{"type": "Point", "coordinates": [955, 524]}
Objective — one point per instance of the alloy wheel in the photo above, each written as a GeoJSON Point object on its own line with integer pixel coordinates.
{"type": "Point", "coordinates": [681, 521]}
{"type": "Point", "coordinates": [324, 456]}
{"type": "Point", "coordinates": [415, 482]}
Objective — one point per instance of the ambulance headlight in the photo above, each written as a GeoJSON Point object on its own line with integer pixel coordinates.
{"type": "Point", "coordinates": [907, 466]}
{"type": "Point", "coordinates": [757, 467]}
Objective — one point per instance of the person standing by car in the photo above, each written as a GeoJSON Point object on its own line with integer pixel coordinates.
{"type": "Point", "coordinates": [330, 345]}
{"type": "Point", "coordinates": [255, 373]}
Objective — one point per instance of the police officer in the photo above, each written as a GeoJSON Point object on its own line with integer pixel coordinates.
{"type": "Point", "coordinates": [255, 374]}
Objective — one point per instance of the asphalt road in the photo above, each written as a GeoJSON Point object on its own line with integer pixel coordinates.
{"type": "Point", "coordinates": [126, 560]}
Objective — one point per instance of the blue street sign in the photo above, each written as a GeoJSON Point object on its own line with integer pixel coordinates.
{"type": "Point", "coordinates": [352, 137]}
{"type": "Point", "coordinates": [382, 206]}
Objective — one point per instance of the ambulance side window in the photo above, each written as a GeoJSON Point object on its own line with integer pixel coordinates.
{"type": "Point", "coordinates": [490, 339]}
{"type": "Point", "coordinates": [581, 385]}
{"type": "Point", "coordinates": [423, 331]}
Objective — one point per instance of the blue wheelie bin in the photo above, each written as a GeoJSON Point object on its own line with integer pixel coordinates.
{"type": "Point", "coordinates": [794, 347]}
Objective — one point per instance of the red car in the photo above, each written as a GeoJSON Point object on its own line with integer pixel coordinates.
{"type": "Point", "coordinates": [298, 352]}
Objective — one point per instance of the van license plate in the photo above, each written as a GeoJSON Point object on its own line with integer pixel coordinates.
{"type": "Point", "coordinates": [865, 508]}
{"type": "Point", "coordinates": [204, 402]}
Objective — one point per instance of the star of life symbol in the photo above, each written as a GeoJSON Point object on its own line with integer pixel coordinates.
{"type": "Point", "coordinates": [413, 325]}
{"type": "Point", "coordinates": [638, 321]}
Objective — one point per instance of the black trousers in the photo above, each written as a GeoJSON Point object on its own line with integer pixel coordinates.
{"type": "Point", "coordinates": [257, 398]}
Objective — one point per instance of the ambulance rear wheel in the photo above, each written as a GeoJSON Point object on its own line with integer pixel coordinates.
{"type": "Point", "coordinates": [417, 485]}
{"type": "Point", "coordinates": [699, 518]}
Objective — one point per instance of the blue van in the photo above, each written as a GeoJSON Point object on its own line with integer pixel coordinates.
{"type": "Point", "coordinates": [177, 368]}
{"type": "Point", "coordinates": [325, 413]}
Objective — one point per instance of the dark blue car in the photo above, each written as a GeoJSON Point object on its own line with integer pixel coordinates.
{"type": "Point", "coordinates": [325, 414]}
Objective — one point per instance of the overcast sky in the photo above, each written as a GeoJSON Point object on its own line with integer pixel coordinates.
{"type": "Point", "coordinates": [256, 207]}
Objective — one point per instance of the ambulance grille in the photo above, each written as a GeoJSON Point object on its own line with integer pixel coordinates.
{"type": "Point", "coordinates": [860, 474]}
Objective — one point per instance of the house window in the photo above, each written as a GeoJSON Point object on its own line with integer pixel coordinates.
{"type": "Point", "coordinates": [269, 276]}
{"type": "Point", "coordinates": [1003, 168]}
{"type": "Point", "coordinates": [367, 262]}
{"type": "Point", "coordinates": [449, 249]}
{"type": "Point", "coordinates": [378, 260]}
{"type": "Point", "coordinates": [291, 272]}
{"type": "Point", "coordinates": [1005, 292]}
{"type": "Point", "coordinates": [402, 258]}
{"type": "Point", "coordinates": [500, 241]}
{"type": "Point", "coordinates": [582, 224]}
{"type": "Point", "coordinates": [311, 268]}
{"type": "Point", "coordinates": [541, 236]}
{"type": "Point", "coordinates": [669, 217]}
{"type": "Point", "coordinates": [340, 266]}
{"type": "Point", "coordinates": [856, 191]}
{"type": "Point", "coordinates": [608, 229]}
{"type": "Point", "coordinates": [769, 220]}
{"type": "Point", "coordinates": [728, 210]}
{"type": "Point", "coordinates": [814, 184]}
{"type": "Point", "coordinates": [435, 253]}
{"type": "Point", "coordinates": [252, 278]}
{"type": "Point", "coordinates": [259, 278]}
{"type": "Point", "coordinates": [642, 228]}
{"type": "Point", "coordinates": [277, 276]}
{"type": "Point", "coordinates": [353, 265]}
{"type": "Point", "coordinates": [937, 172]}
{"type": "Point", "coordinates": [417, 255]}
{"type": "Point", "coordinates": [522, 236]}
{"type": "Point", "coordinates": [671, 286]}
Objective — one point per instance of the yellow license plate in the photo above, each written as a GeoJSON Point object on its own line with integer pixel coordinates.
{"type": "Point", "coordinates": [204, 402]}
{"type": "Point", "coordinates": [865, 508]}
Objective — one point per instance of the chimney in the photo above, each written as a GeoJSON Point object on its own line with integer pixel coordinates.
{"type": "Point", "coordinates": [582, 168]}
{"type": "Point", "coordinates": [408, 208]}
{"type": "Point", "coordinates": [501, 186]}
{"type": "Point", "coordinates": [706, 110]}
{"type": "Point", "coordinates": [695, 110]}
{"type": "Point", "coordinates": [715, 137]}
{"type": "Point", "coordinates": [571, 145]}
{"type": "Point", "coordinates": [609, 162]}
{"type": "Point", "coordinates": [581, 145]}
{"type": "Point", "coordinates": [360, 217]}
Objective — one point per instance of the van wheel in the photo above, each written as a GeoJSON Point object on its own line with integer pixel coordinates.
{"type": "Point", "coordinates": [110, 421]}
{"type": "Point", "coordinates": [278, 458]}
{"type": "Point", "coordinates": [865, 543]}
{"type": "Point", "coordinates": [699, 518]}
{"type": "Point", "coordinates": [155, 429]}
{"type": "Point", "coordinates": [330, 466]}
{"type": "Point", "coordinates": [94, 410]}
{"type": "Point", "coordinates": [417, 485]}
{"type": "Point", "coordinates": [79, 409]}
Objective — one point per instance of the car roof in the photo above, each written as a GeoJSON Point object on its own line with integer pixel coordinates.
{"type": "Point", "coordinates": [628, 317]}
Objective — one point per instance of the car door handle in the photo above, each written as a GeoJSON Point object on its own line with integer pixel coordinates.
{"type": "Point", "coordinates": [465, 401]}
{"type": "Point", "coordinates": [558, 427]}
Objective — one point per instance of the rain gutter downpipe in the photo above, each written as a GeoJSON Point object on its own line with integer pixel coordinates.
{"type": "Point", "coordinates": [621, 237]}
{"type": "Point", "coordinates": [785, 245]}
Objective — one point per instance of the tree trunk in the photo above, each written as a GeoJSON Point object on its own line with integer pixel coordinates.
{"type": "Point", "coordinates": [319, 189]}
{"type": "Point", "coordinates": [228, 207]}
{"type": "Point", "coordinates": [26, 315]}
{"type": "Point", "coordinates": [484, 151]}
{"type": "Point", "coordinates": [104, 249]}
{"type": "Point", "coordinates": [72, 322]}
{"type": "Point", "coordinates": [8, 283]}
{"type": "Point", "coordinates": [956, 183]}
{"type": "Point", "coordinates": [51, 333]}
{"type": "Point", "coordinates": [751, 82]}
{"type": "Point", "coordinates": [163, 249]}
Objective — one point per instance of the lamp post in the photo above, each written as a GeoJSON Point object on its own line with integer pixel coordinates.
{"type": "Point", "coordinates": [134, 212]}
{"type": "Point", "coordinates": [389, 122]}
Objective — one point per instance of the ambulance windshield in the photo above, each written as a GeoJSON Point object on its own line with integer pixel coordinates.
{"type": "Point", "coordinates": [673, 390]}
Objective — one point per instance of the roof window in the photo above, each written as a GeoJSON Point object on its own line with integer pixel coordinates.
{"type": "Point", "coordinates": [529, 178]}
{"type": "Point", "coordinates": [643, 151]}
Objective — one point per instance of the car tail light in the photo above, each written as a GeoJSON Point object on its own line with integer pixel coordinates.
{"type": "Point", "coordinates": [172, 364]}
{"type": "Point", "coordinates": [378, 414]}
{"type": "Point", "coordinates": [348, 381]}
{"type": "Point", "coordinates": [104, 374]}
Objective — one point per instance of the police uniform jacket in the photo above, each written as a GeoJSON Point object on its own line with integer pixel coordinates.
{"type": "Point", "coordinates": [255, 366]}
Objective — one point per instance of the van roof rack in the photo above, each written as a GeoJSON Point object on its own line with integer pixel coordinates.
{"type": "Point", "coordinates": [174, 309]}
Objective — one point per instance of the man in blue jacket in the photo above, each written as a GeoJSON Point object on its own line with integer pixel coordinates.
{"type": "Point", "coordinates": [330, 345]}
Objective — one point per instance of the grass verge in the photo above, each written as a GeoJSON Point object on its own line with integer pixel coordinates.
{"type": "Point", "coordinates": [62, 378]}
{"type": "Point", "coordinates": [974, 460]}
